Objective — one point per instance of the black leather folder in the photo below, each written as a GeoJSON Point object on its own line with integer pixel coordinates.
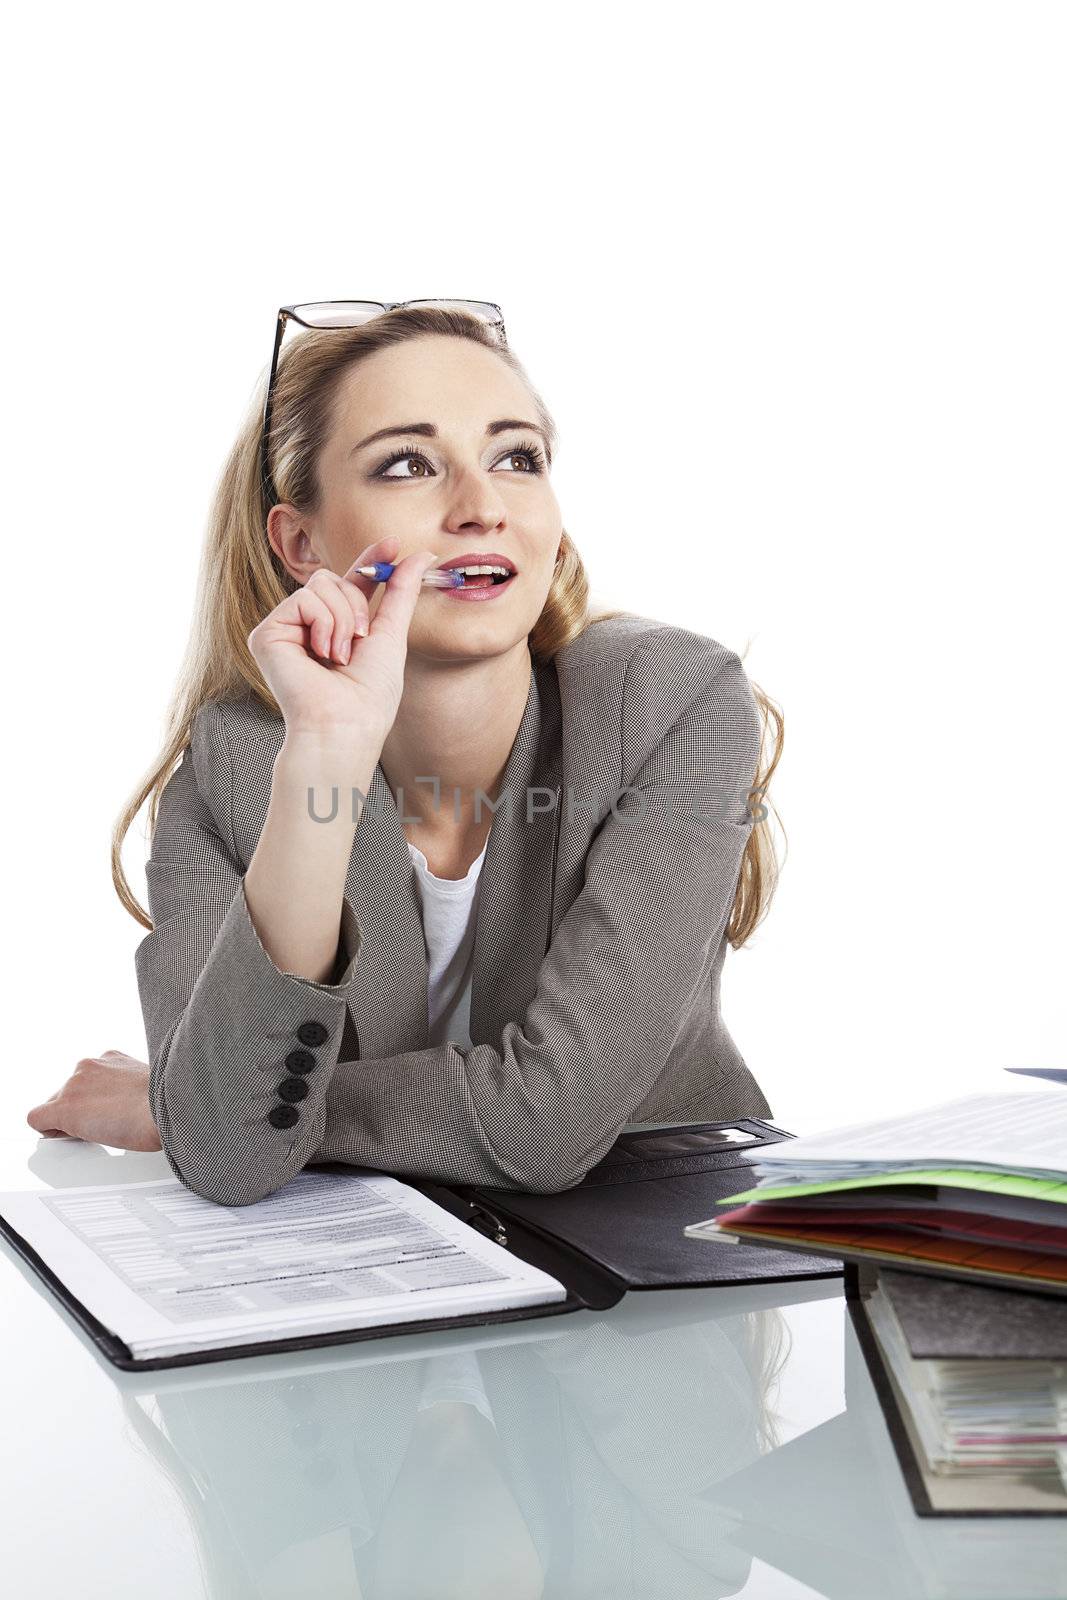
{"type": "Point", "coordinates": [621, 1228]}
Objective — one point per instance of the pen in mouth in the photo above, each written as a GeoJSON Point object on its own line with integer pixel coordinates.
{"type": "Point", "coordinates": [490, 573]}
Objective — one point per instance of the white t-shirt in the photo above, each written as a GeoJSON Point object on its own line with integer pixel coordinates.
{"type": "Point", "coordinates": [449, 920]}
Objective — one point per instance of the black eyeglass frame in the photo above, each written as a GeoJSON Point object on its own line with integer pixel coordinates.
{"type": "Point", "coordinates": [285, 313]}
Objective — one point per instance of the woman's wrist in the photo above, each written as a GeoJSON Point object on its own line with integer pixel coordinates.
{"type": "Point", "coordinates": [326, 756]}
{"type": "Point", "coordinates": [330, 777]}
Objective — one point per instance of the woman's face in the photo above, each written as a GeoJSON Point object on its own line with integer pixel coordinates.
{"type": "Point", "coordinates": [462, 487]}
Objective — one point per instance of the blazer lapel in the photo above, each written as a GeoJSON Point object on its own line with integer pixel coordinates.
{"type": "Point", "coordinates": [388, 999]}
{"type": "Point", "coordinates": [516, 881]}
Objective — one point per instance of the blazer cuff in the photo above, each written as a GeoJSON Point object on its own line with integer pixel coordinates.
{"type": "Point", "coordinates": [238, 1086]}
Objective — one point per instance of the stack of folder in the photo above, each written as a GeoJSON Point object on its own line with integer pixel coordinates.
{"type": "Point", "coordinates": [976, 1187]}
{"type": "Point", "coordinates": [952, 1225]}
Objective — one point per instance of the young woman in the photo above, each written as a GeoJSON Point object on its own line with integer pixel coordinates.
{"type": "Point", "coordinates": [443, 880]}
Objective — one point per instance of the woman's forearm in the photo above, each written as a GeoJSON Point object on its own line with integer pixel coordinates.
{"type": "Point", "coordinates": [294, 885]}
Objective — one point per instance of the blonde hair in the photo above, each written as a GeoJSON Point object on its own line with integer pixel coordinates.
{"type": "Point", "coordinates": [241, 579]}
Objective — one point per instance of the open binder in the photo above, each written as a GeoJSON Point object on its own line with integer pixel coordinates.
{"type": "Point", "coordinates": [621, 1228]}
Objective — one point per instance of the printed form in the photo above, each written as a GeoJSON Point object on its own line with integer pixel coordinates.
{"type": "Point", "coordinates": [170, 1272]}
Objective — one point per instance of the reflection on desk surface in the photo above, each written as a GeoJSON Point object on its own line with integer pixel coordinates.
{"type": "Point", "coordinates": [571, 1464]}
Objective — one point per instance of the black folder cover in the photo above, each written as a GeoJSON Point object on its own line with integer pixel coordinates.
{"type": "Point", "coordinates": [619, 1229]}
{"type": "Point", "coordinates": [946, 1319]}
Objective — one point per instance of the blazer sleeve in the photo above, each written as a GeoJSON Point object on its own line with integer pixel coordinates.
{"type": "Point", "coordinates": [626, 967]}
{"type": "Point", "coordinates": [220, 1017]}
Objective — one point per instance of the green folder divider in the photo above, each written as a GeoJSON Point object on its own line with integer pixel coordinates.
{"type": "Point", "coordinates": [952, 1177]}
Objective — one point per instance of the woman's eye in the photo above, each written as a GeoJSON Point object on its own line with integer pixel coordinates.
{"type": "Point", "coordinates": [401, 455]}
{"type": "Point", "coordinates": [531, 457]}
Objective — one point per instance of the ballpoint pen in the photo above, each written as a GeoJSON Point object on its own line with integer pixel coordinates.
{"type": "Point", "coordinates": [433, 577]}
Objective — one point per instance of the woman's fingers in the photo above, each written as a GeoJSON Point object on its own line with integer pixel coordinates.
{"type": "Point", "coordinates": [44, 1119]}
{"type": "Point", "coordinates": [343, 614]}
{"type": "Point", "coordinates": [305, 608]}
{"type": "Point", "coordinates": [403, 589]}
{"type": "Point", "coordinates": [337, 637]}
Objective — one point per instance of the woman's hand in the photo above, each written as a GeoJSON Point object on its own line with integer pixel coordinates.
{"type": "Point", "coordinates": [105, 1100]}
{"type": "Point", "coordinates": [327, 677]}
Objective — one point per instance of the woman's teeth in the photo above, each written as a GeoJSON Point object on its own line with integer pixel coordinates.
{"type": "Point", "coordinates": [498, 573]}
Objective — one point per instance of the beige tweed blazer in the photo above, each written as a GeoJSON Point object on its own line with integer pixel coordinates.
{"type": "Point", "coordinates": [609, 875]}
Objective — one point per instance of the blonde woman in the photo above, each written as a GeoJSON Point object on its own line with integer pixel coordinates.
{"type": "Point", "coordinates": [441, 882]}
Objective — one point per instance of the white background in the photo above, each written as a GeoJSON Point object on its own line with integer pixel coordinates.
{"type": "Point", "coordinates": [790, 278]}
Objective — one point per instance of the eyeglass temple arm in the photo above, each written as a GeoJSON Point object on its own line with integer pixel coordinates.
{"type": "Point", "coordinates": [283, 316]}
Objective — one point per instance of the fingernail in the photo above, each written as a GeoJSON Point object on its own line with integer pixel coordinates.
{"type": "Point", "coordinates": [346, 650]}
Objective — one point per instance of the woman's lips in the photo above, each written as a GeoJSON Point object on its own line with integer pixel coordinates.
{"type": "Point", "coordinates": [480, 593]}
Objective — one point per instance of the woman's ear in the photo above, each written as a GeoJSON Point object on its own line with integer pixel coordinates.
{"type": "Point", "coordinates": [289, 539]}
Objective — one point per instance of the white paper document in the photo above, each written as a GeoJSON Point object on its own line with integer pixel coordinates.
{"type": "Point", "coordinates": [1022, 1132]}
{"type": "Point", "coordinates": [169, 1272]}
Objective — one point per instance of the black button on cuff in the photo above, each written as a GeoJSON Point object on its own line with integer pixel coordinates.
{"type": "Point", "coordinates": [300, 1061]}
{"type": "Point", "coordinates": [312, 1033]}
{"type": "Point", "coordinates": [293, 1088]}
{"type": "Point", "coordinates": [283, 1116]}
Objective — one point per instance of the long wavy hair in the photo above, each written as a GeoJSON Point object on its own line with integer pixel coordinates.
{"type": "Point", "coordinates": [241, 579]}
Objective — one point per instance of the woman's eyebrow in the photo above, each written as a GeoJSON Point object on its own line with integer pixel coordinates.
{"type": "Point", "coordinates": [427, 429]}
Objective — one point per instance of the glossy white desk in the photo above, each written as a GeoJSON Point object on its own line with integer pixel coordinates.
{"type": "Point", "coordinates": [613, 1454]}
